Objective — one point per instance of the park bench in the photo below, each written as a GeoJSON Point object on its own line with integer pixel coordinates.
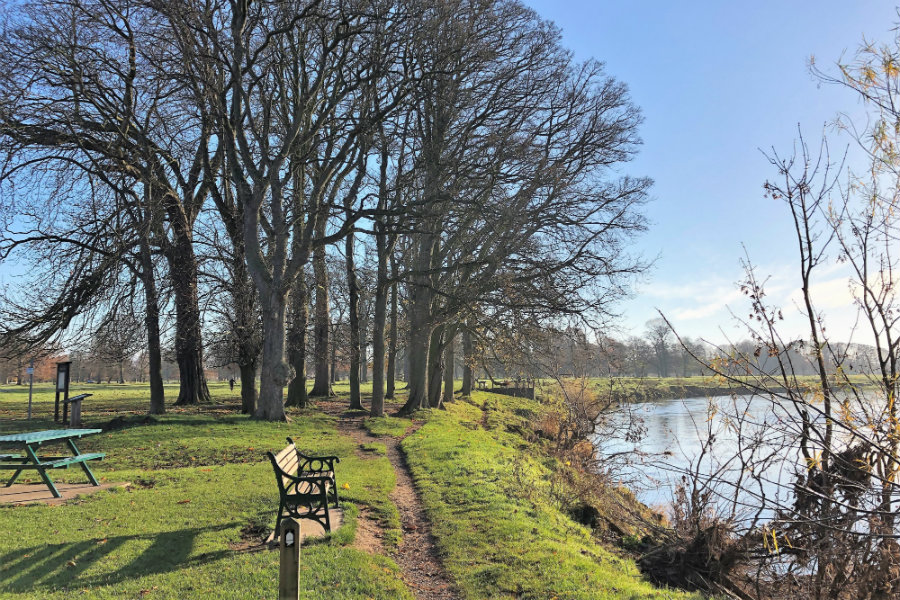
{"type": "Point", "coordinates": [306, 484]}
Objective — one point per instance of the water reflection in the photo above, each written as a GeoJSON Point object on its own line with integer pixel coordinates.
{"type": "Point", "coordinates": [675, 442]}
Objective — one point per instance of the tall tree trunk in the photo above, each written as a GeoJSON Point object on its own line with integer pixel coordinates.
{"type": "Point", "coordinates": [242, 288]}
{"type": "Point", "coordinates": [274, 374]}
{"type": "Point", "coordinates": [468, 362]}
{"type": "Point", "coordinates": [151, 322]}
{"type": "Point", "coordinates": [247, 370]}
{"type": "Point", "coordinates": [121, 371]}
{"type": "Point", "coordinates": [449, 371]}
{"type": "Point", "coordinates": [333, 373]}
{"type": "Point", "coordinates": [378, 324]}
{"type": "Point", "coordinates": [322, 383]}
{"type": "Point", "coordinates": [269, 273]}
{"type": "Point", "coordinates": [420, 327]}
{"type": "Point", "coordinates": [246, 322]}
{"type": "Point", "coordinates": [248, 387]}
{"type": "Point", "coordinates": [435, 367]}
{"type": "Point", "coordinates": [353, 316]}
{"type": "Point", "coordinates": [188, 337]}
{"type": "Point", "coordinates": [363, 351]}
{"type": "Point", "coordinates": [363, 332]}
{"type": "Point", "coordinates": [297, 343]}
{"type": "Point", "coordinates": [392, 346]}
{"type": "Point", "coordinates": [417, 364]}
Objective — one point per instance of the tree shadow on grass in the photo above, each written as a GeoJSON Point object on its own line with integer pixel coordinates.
{"type": "Point", "coordinates": [64, 565]}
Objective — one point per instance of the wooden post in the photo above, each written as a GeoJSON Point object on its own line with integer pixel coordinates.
{"type": "Point", "coordinates": [289, 572]}
{"type": "Point", "coordinates": [75, 414]}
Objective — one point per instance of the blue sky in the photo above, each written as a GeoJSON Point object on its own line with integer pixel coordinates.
{"type": "Point", "coordinates": [717, 82]}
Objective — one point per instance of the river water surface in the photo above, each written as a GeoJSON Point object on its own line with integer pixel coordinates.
{"type": "Point", "coordinates": [674, 441]}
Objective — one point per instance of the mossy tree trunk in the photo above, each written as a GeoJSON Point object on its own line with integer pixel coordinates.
{"type": "Point", "coordinates": [322, 382]}
{"type": "Point", "coordinates": [297, 395]}
{"type": "Point", "coordinates": [353, 317]}
{"type": "Point", "coordinates": [468, 378]}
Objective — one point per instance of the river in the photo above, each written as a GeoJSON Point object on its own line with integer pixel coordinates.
{"type": "Point", "coordinates": [674, 441]}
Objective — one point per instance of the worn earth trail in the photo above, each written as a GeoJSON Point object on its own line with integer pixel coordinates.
{"type": "Point", "coordinates": [417, 556]}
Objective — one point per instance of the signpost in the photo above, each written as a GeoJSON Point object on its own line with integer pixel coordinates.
{"type": "Point", "coordinates": [289, 571]}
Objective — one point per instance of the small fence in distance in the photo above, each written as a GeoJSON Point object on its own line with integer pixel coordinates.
{"type": "Point", "coordinates": [520, 388]}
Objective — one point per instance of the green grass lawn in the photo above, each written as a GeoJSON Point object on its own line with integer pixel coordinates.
{"type": "Point", "coordinates": [201, 484]}
{"type": "Point", "coordinates": [200, 478]}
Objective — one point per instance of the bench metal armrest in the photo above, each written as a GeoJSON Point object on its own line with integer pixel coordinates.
{"type": "Point", "coordinates": [326, 463]}
{"type": "Point", "coordinates": [307, 477]}
{"type": "Point", "coordinates": [317, 464]}
{"type": "Point", "coordinates": [312, 486]}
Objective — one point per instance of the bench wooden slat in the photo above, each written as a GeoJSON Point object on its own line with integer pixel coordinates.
{"type": "Point", "coordinates": [289, 464]}
{"type": "Point", "coordinates": [287, 460]}
{"type": "Point", "coordinates": [11, 456]}
{"type": "Point", "coordinates": [285, 454]}
{"type": "Point", "coordinates": [70, 460]}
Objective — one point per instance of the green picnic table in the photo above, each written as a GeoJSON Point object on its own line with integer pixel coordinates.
{"type": "Point", "coordinates": [28, 444]}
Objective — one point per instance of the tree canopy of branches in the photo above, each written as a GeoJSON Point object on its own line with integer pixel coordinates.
{"type": "Point", "coordinates": [209, 150]}
{"type": "Point", "coordinates": [86, 96]}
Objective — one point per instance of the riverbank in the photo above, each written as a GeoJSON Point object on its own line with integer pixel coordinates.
{"type": "Point", "coordinates": [503, 513]}
{"type": "Point", "coordinates": [505, 510]}
{"type": "Point", "coordinates": [648, 389]}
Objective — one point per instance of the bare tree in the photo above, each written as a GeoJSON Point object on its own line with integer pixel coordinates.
{"type": "Point", "coordinates": [117, 340]}
{"type": "Point", "coordinates": [660, 338]}
{"type": "Point", "coordinates": [102, 106]}
{"type": "Point", "coordinates": [809, 496]}
{"type": "Point", "coordinates": [290, 90]}
{"type": "Point", "coordinates": [514, 199]}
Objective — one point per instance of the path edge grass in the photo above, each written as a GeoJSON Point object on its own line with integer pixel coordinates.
{"type": "Point", "coordinates": [500, 534]}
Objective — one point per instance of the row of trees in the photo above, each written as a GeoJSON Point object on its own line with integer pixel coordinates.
{"type": "Point", "coordinates": [195, 164]}
{"type": "Point", "coordinates": [659, 353]}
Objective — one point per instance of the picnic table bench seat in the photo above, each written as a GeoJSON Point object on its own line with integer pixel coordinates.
{"type": "Point", "coordinates": [65, 461]}
{"type": "Point", "coordinates": [306, 485]}
{"type": "Point", "coordinates": [48, 462]}
{"type": "Point", "coordinates": [31, 443]}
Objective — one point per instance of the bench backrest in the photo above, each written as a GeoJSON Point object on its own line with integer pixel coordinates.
{"type": "Point", "coordinates": [287, 461]}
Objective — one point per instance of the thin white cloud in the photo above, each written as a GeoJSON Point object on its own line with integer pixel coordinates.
{"type": "Point", "coordinates": [707, 310]}
{"type": "Point", "coordinates": [833, 293]}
